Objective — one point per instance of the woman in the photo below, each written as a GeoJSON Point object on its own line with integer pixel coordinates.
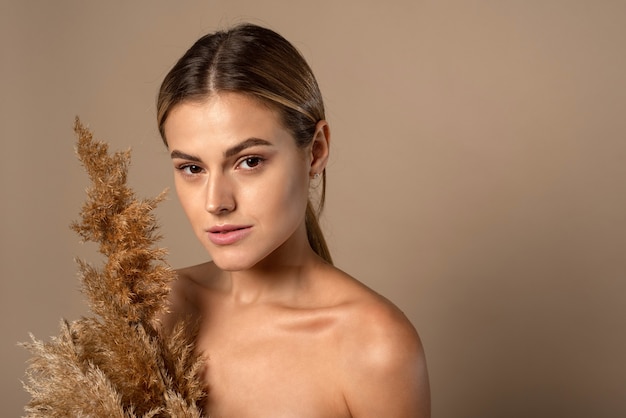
{"type": "Point", "coordinates": [283, 331]}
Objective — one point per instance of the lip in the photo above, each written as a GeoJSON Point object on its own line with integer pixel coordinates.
{"type": "Point", "coordinates": [228, 234]}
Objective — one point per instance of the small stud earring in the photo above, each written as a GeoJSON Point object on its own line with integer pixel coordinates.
{"type": "Point", "coordinates": [316, 175]}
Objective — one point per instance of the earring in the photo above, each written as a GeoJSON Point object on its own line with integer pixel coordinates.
{"type": "Point", "coordinates": [316, 175]}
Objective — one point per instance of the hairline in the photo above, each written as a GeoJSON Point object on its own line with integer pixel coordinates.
{"type": "Point", "coordinates": [263, 100]}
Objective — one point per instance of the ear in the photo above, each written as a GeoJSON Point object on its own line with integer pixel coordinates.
{"type": "Point", "coordinates": [320, 148]}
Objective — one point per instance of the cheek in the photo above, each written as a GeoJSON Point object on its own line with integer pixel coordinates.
{"type": "Point", "coordinates": [181, 192]}
{"type": "Point", "coordinates": [189, 201]}
{"type": "Point", "coordinates": [282, 195]}
{"type": "Point", "coordinates": [292, 194]}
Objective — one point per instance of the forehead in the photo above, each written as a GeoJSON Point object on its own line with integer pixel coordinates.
{"type": "Point", "coordinates": [223, 118]}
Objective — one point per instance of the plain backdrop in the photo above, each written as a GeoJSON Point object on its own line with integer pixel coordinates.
{"type": "Point", "coordinates": [477, 176]}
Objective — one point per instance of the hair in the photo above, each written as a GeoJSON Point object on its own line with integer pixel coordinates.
{"type": "Point", "coordinates": [258, 62]}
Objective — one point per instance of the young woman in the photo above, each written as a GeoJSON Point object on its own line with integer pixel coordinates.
{"type": "Point", "coordinates": [283, 331]}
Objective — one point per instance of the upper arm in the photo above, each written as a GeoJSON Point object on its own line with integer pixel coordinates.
{"type": "Point", "coordinates": [385, 374]}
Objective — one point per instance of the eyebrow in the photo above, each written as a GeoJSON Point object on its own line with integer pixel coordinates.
{"type": "Point", "coordinates": [183, 156]}
{"type": "Point", "coordinates": [248, 143]}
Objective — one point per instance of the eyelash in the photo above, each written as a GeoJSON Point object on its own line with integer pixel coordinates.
{"type": "Point", "coordinates": [259, 161]}
{"type": "Point", "coordinates": [187, 168]}
{"type": "Point", "coordinates": [184, 169]}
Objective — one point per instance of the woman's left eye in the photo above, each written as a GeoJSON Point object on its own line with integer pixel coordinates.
{"type": "Point", "coordinates": [249, 163]}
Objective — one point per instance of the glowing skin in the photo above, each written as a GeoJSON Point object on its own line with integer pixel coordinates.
{"type": "Point", "coordinates": [285, 334]}
{"type": "Point", "coordinates": [241, 179]}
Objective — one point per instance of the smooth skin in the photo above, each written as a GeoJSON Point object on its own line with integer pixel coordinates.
{"type": "Point", "coordinates": [284, 333]}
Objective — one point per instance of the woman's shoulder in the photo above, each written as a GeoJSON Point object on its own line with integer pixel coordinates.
{"type": "Point", "coordinates": [369, 317]}
{"type": "Point", "coordinates": [380, 344]}
{"type": "Point", "coordinates": [381, 335]}
{"type": "Point", "coordinates": [183, 298]}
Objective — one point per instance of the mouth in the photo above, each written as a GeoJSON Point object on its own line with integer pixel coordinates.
{"type": "Point", "coordinates": [225, 229]}
{"type": "Point", "coordinates": [228, 234]}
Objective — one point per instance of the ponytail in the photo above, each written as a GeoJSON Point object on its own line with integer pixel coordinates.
{"type": "Point", "coordinates": [313, 231]}
{"type": "Point", "coordinates": [315, 235]}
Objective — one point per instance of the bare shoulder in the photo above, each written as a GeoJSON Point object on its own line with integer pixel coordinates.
{"type": "Point", "coordinates": [384, 371]}
{"type": "Point", "coordinates": [183, 299]}
{"type": "Point", "coordinates": [371, 317]}
{"type": "Point", "coordinates": [381, 332]}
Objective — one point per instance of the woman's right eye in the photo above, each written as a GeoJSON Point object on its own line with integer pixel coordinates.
{"type": "Point", "coordinates": [190, 169]}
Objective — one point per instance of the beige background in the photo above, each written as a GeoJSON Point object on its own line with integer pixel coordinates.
{"type": "Point", "coordinates": [477, 177]}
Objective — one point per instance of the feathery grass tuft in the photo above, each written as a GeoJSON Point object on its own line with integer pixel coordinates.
{"type": "Point", "coordinates": [119, 362]}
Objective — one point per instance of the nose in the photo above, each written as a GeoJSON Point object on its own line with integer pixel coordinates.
{"type": "Point", "coordinates": [220, 197]}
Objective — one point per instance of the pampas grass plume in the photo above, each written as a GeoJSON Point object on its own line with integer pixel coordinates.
{"type": "Point", "coordinates": [118, 362]}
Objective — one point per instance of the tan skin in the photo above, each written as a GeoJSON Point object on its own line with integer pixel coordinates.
{"type": "Point", "coordinates": [285, 334]}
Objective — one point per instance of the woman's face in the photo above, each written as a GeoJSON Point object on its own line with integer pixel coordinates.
{"type": "Point", "coordinates": [240, 177]}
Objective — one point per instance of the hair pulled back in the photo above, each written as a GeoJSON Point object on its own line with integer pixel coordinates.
{"type": "Point", "coordinates": [259, 62]}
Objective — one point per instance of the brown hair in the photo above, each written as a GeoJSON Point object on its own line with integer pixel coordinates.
{"type": "Point", "coordinates": [259, 62]}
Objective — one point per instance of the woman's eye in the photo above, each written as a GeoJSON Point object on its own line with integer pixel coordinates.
{"type": "Point", "coordinates": [190, 169]}
{"type": "Point", "coordinates": [250, 162]}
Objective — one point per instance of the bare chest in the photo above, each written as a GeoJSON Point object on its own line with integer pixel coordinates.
{"type": "Point", "coordinates": [272, 368]}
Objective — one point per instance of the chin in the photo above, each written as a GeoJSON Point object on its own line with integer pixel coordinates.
{"type": "Point", "coordinates": [229, 260]}
{"type": "Point", "coordinates": [231, 266]}
{"type": "Point", "coordinates": [249, 254]}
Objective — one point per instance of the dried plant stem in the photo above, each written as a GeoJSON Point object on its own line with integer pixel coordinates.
{"type": "Point", "coordinates": [118, 363]}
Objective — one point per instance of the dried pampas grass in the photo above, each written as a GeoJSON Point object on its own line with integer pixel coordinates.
{"type": "Point", "coordinates": [118, 363]}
